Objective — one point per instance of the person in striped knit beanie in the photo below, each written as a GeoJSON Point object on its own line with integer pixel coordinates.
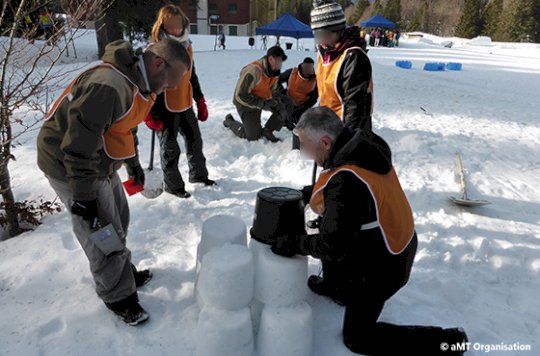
{"type": "Point", "coordinates": [344, 77]}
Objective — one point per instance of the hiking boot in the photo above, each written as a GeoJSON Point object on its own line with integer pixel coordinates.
{"type": "Point", "coordinates": [129, 310]}
{"type": "Point", "coordinates": [179, 193]}
{"type": "Point", "coordinates": [142, 277]}
{"type": "Point", "coordinates": [269, 135]}
{"type": "Point", "coordinates": [207, 182]}
{"type": "Point", "coordinates": [319, 286]}
{"type": "Point", "coordinates": [228, 119]}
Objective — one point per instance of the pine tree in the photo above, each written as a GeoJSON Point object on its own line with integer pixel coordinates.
{"type": "Point", "coordinates": [392, 10]}
{"type": "Point", "coordinates": [471, 20]}
{"type": "Point", "coordinates": [493, 13]}
{"type": "Point", "coordinates": [519, 22]}
{"type": "Point", "coordinates": [377, 7]}
{"type": "Point", "coordinates": [359, 10]}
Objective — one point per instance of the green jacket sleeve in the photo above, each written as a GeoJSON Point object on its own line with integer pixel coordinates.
{"type": "Point", "coordinates": [242, 94]}
{"type": "Point", "coordinates": [90, 114]}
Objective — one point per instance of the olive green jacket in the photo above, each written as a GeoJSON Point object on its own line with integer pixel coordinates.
{"type": "Point", "coordinates": [70, 143]}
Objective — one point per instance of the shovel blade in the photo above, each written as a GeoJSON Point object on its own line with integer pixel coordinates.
{"type": "Point", "coordinates": [468, 202]}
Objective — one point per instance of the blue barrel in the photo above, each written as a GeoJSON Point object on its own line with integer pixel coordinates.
{"type": "Point", "coordinates": [404, 64]}
{"type": "Point", "coordinates": [453, 66]}
{"type": "Point", "coordinates": [434, 67]}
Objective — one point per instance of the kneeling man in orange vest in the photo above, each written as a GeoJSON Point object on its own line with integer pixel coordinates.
{"type": "Point", "coordinates": [258, 89]}
{"type": "Point", "coordinates": [366, 236]}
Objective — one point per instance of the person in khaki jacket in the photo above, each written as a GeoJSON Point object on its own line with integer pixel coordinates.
{"type": "Point", "coordinates": [258, 89]}
{"type": "Point", "coordinates": [87, 135]}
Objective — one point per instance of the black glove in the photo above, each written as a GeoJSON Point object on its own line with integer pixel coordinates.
{"type": "Point", "coordinates": [286, 246]}
{"type": "Point", "coordinates": [88, 210]}
{"type": "Point", "coordinates": [307, 190]}
{"type": "Point", "coordinates": [270, 105]}
{"type": "Point", "coordinates": [282, 111]}
{"type": "Point", "coordinates": [289, 125]}
{"type": "Point", "coordinates": [137, 173]}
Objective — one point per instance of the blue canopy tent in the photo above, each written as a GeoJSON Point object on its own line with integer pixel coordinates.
{"type": "Point", "coordinates": [287, 25]}
{"type": "Point", "coordinates": [378, 21]}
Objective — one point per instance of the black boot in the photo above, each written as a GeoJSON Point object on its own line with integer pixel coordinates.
{"type": "Point", "coordinates": [319, 286]}
{"type": "Point", "coordinates": [179, 193]}
{"type": "Point", "coordinates": [228, 120]}
{"type": "Point", "coordinates": [269, 135]}
{"type": "Point", "coordinates": [207, 182]}
{"type": "Point", "coordinates": [141, 277]}
{"type": "Point", "coordinates": [129, 310]}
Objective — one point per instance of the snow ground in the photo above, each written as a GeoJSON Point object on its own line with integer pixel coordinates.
{"type": "Point", "coordinates": [475, 268]}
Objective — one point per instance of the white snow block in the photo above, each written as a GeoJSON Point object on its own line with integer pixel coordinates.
{"type": "Point", "coordinates": [280, 281]}
{"type": "Point", "coordinates": [286, 331]}
{"type": "Point", "coordinates": [256, 311]}
{"type": "Point", "coordinates": [224, 333]}
{"type": "Point", "coordinates": [257, 247]}
{"type": "Point", "coordinates": [227, 277]}
{"type": "Point", "coordinates": [218, 231]}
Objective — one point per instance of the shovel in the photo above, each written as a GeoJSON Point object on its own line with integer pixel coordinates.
{"type": "Point", "coordinates": [464, 200]}
{"type": "Point", "coordinates": [153, 186]}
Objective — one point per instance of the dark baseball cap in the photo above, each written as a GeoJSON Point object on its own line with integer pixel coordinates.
{"type": "Point", "coordinates": [276, 51]}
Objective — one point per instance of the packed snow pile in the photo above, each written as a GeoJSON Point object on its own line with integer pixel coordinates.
{"type": "Point", "coordinates": [480, 41]}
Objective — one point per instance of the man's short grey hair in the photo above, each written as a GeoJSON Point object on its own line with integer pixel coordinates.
{"type": "Point", "coordinates": [318, 122]}
{"type": "Point", "coordinates": [171, 51]}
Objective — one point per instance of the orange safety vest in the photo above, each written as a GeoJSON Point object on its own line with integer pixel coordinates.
{"type": "Point", "coordinates": [180, 98]}
{"type": "Point", "coordinates": [263, 89]}
{"type": "Point", "coordinates": [327, 77]}
{"type": "Point", "coordinates": [118, 141]}
{"type": "Point", "coordinates": [394, 214]}
{"type": "Point", "coordinates": [299, 88]}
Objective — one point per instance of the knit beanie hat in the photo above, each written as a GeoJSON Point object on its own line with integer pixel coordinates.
{"type": "Point", "coordinates": [327, 15]}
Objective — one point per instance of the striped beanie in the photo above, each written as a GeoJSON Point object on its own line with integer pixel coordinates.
{"type": "Point", "coordinates": [327, 15]}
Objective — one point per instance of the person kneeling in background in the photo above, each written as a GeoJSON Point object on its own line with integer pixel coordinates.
{"type": "Point", "coordinates": [257, 90]}
{"type": "Point", "coordinates": [302, 90]}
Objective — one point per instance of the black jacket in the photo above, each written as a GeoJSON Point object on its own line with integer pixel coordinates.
{"type": "Point", "coordinates": [354, 79]}
{"type": "Point", "coordinates": [349, 205]}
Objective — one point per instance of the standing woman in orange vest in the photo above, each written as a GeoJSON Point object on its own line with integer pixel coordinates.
{"type": "Point", "coordinates": [344, 77]}
{"type": "Point", "coordinates": [174, 108]}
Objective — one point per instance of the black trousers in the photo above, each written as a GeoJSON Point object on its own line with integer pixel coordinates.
{"type": "Point", "coordinates": [251, 127]}
{"type": "Point", "coordinates": [364, 334]}
{"type": "Point", "coordinates": [187, 125]}
{"type": "Point", "coordinates": [295, 117]}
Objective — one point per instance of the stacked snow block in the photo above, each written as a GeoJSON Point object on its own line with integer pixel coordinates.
{"type": "Point", "coordinates": [434, 67]}
{"type": "Point", "coordinates": [218, 231]}
{"type": "Point", "coordinates": [282, 319]}
{"type": "Point", "coordinates": [404, 64]}
{"type": "Point", "coordinates": [225, 286]}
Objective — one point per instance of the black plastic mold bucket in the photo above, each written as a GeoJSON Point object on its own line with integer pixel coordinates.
{"type": "Point", "coordinates": [278, 211]}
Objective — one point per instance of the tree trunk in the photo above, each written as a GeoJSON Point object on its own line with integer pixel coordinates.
{"type": "Point", "coordinates": [108, 30]}
{"type": "Point", "coordinates": [7, 193]}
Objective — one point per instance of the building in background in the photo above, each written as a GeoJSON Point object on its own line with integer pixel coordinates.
{"type": "Point", "coordinates": [233, 17]}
